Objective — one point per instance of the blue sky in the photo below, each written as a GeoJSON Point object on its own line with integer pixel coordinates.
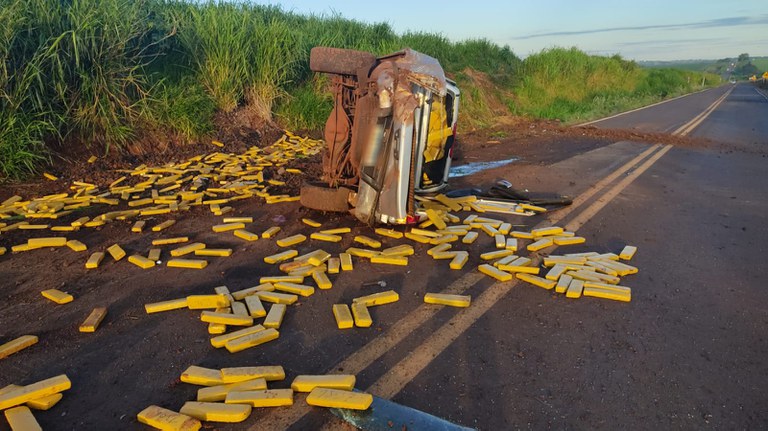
{"type": "Point", "coordinates": [639, 30]}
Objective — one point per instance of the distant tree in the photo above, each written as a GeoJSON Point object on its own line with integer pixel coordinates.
{"type": "Point", "coordinates": [743, 58]}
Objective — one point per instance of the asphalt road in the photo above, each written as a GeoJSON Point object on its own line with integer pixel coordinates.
{"type": "Point", "coordinates": [687, 352]}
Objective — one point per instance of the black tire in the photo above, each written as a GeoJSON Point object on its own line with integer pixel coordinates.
{"type": "Point", "coordinates": [339, 61]}
{"type": "Point", "coordinates": [319, 196]}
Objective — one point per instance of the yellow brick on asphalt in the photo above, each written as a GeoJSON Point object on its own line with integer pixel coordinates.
{"type": "Point", "coordinates": [361, 315]}
{"type": "Point", "coordinates": [34, 391]}
{"type": "Point", "coordinates": [238, 220]}
{"type": "Point", "coordinates": [252, 340]}
{"type": "Point", "coordinates": [187, 263]}
{"type": "Point", "coordinates": [306, 383]}
{"type": "Point", "coordinates": [271, 232]}
{"type": "Point", "coordinates": [167, 241]}
{"type": "Point", "coordinates": [200, 302]}
{"type": "Point", "coordinates": [418, 238]}
{"type": "Point", "coordinates": [535, 208]}
{"type": "Point", "coordinates": [262, 398]}
{"type": "Point", "coordinates": [164, 225]}
{"type": "Point", "coordinates": [172, 304]}
{"type": "Point", "coordinates": [216, 412]}
{"type": "Point", "coordinates": [575, 288]}
{"type": "Point", "coordinates": [93, 320]}
{"type": "Point", "coordinates": [438, 248]}
{"type": "Point", "coordinates": [628, 252]}
{"type": "Point", "coordinates": [116, 252]}
{"type": "Point", "coordinates": [540, 244]}
{"type": "Point", "coordinates": [291, 240]}
{"type": "Point", "coordinates": [597, 292]}
{"type": "Point", "coordinates": [278, 298]}
{"type": "Point", "coordinates": [370, 242]}
{"type": "Point", "coordinates": [459, 260]}
{"type": "Point", "coordinates": [141, 261]}
{"type": "Point", "coordinates": [45, 403]}
{"type": "Point", "coordinates": [311, 223]}
{"type": "Point", "coordinates": [400, 250]}
{"type": "Point", "coordinates": [227, 227]}
{"type": "Point", "coordinates": [362, 252]}
{"type": "Point", "coordinates": [264, 287]}
{"type": "Point", "coordinates": [58, 241]}
{"type": "Point", "coordinates": [511, 244]}
{"type": "Point", "coordinates": [536, 281]}
{"type": "Point", "coordinates": [296, 289]}
{"type": "Point", "coordinates": [267, 372]}
{"type": "Point", "coordinates": [336, 231]}
{"type": "Point", "coordinates": [343, 316]}
{"type": "Point", "coordinates": [229, 319]}
{"type": "Point", "coordinates": [568, 240]}
{"type": "Point", "coordinates": [324, 237]}
{"type": "Point", "coordinates": [448, 299]}
{"type": "Point", "coordinates": [221, 340]}
{"type": "Point", "coordinates": [390, 260]}
{"type": "Point", "coordinates": [521, 235]}
{"type": "Point", "coordinates": [57, 296]}
{"type": "Point", "coordinates": [275, 316]}
{"type": "Point", "coordinates": [283, 278]}
{"type": "Point", "coordinates": [318, 257]}
{"type": "Point", "coordinates": [346, 261]}
{"type": "Point", "coordinates": [547, 231]}
{"type": "Point", "coordinates": [167, 420]}
{"type": "Point", "coordinates": [246, 235]}
{"type": "Point", "coordinates": [21, 419]}
{"type": "Point", "coordinates": [17, 345]}
{"type": "Point", "coordinates": [380, 298]}
{"type": "Point", "coordinates": [201, 376]}
{"type": "Point", "coordinates": [342, 399]}
{"type": "Point", "coordinates": [562, 283]}
{"type": "Point", "coordinates": [491, 271]}
{"type": "Point", "coordinates": [469, 238]}
{"type": "Point", "coordinates": [322, 280]}
{"type": "Point", "coordinates": [255, 307]}
{"type": "Point", "coordinates": [187, 249]}
{"type": "Point", "coordinates": [621, 268]}
{"type": "Point", "coordinates": [76, 245]}
{"type": "Point", "coordinates": [505, 228]}
{"type": "Point", "coordinates": [334, 265]}
{"type": "Point", "coordinates": [500, 240]}
{"type": "Point", "coordinates": [555, 273]}
{"type": "Point", "coordinates": [216, 328]}
{"type": "Point", "coordinates": [282, 256]}
{"type": "Point", "coordinates": [389, 233]}
{"type": "Point", "coordinates": [219, 392]}
{"type": "Point", "coordinates": [214, 252]}
{"type": "Point", "coordinates": [498, 254]}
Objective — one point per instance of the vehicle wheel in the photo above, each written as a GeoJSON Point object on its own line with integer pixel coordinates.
{"type": "Point", "coordinates": [319, 196]}
{"type": "Point", "coordinates": [339, 61]}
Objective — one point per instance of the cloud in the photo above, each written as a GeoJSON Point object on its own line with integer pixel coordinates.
{"type": "Point", "coordinates": [720, 22]}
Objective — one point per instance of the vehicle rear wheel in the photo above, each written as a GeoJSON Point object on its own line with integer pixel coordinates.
{"type": "Point", "coordinates": [319, 196]}
{"type": "Point", "coordinates": [324, 59]}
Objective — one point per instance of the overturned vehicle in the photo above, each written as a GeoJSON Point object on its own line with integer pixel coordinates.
{"type": "Point", "coordinates": [390, 134]}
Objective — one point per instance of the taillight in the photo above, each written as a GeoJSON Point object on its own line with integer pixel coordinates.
{"type": "Point", "coordinates": [411, 219]}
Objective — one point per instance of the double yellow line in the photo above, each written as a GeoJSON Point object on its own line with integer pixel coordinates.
{"type": "Point", "coordinates": [402, 373]}
{"type": "Point", "coordinates": [688, 127]}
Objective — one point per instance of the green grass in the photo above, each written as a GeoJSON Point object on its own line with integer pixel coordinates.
{"type": "Point", "coordinates": [106, 73]}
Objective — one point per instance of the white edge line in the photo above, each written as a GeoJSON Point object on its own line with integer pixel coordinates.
{"type": "Point", "coordinates": [641, 108]}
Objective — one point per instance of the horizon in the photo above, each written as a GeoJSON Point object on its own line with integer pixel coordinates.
{"type": "Point", "coordinates": [652, 31]}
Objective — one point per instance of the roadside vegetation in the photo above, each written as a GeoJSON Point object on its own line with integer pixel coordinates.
{"type": "Point", "coordinates": [102, 75]}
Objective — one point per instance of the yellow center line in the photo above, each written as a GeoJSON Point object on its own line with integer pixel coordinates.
{"type": "Point", "coordinates": [689, 126]}
{"type": "Point", "coordinates": [376, 348]}
{"type": "Point", "coordinates": [396, 378]}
